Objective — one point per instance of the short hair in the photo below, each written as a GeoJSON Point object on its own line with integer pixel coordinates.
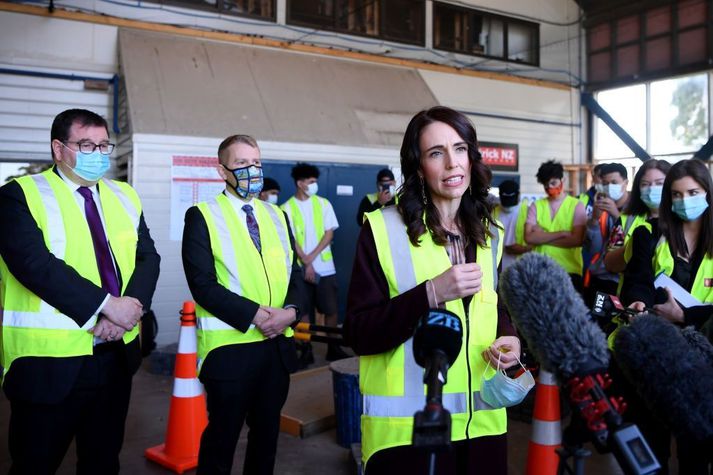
{"type": "Point", "coordinates": [269, 184]}
{"type": "Point", "coordinates": [385, 173]}
{"type": "Point", "coordinates": [598, 168]}
{"type": "Point", "coordinates": [608, 168]}
{"type": "Point", "coordinates": [549, 170]}
{"type": "Point", "coordinates": [302, 171]}
{"type": "Point", "coordinates": [233, 139]}
{"type": "Point", "coordinates": [65, 120]}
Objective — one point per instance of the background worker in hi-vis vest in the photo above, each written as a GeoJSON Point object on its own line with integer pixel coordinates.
{"type": "Point", "coordinates": [384, 195]}
{"type": "Point", "coordinates": [239, 260]}
{"type": "Point", "coordinates": [77, 270]}
{"type": "Point", "coordinates": [313, 223]}
{"type": "Point", "coordinates": [439, 247]}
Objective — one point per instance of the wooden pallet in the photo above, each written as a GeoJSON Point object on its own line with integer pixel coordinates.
{"type": "Point", "coordinates": [309, 408]}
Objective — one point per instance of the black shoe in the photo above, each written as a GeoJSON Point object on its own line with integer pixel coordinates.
{"type": "Point", "coordinates": [335, 352]}
{"type": "Point", "coordinates": [306, 356]}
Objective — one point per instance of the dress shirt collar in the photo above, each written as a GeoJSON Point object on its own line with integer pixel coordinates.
{"type": "Point", "coordinates": [72, 185]}
{"type": "Point", "coordinates": [238, 203]}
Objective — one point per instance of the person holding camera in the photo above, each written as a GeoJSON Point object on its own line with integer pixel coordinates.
{"type": "Point", "coordinates": [385, 194]}
{"type": "Point", "coordinates": [439, 247]}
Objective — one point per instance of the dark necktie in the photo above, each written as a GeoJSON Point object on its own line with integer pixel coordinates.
{"type": "Point", "coordinates": [110, 283]}
{"type": "Point", "coordinates": [253, 229]}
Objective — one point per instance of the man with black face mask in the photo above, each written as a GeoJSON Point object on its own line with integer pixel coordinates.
{"type": "Point", "coordinates": [240, 263]}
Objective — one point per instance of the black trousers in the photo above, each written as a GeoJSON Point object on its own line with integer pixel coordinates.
{"type": "Point", "coordinates": [94, 413]}
{"type": "Point", "coordinates": [256, 396]}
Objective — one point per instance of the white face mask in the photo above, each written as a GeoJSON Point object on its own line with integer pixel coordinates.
{"type": "Point", "coordinates": [312, 189]}
{"type": "Point", "coordinates": [615, 191]}
{"type": "Point", "coordinates": [501, 391]}
{"type": "Point", "coordinates": [272, 199]}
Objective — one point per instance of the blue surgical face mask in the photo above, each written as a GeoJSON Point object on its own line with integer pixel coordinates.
{"type": "Point", "coordinates": [690, 207]}
{"type": "Point", "coordinates": [312, 189]}
{"type": "Point", "coordinates": [651, 196]}
{"type": "Point", "coordinates": [501, 391]}
{"type": "Point", "coordinates": [249, 180]}
{"type": "Point", "coordinates": [615, 190]}
{"type": "Point", "coordinates": [90, 166]}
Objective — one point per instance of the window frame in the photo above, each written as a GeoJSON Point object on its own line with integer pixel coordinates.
{"type": "Point", "coordinates": [289, 20]}
{"type": "Point", "coordinates": [471, 12]}
{"type": "Point", "coordinates": [218, 8]}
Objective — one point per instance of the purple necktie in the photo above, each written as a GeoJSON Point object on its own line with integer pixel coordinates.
{"type": "Point", "coordinates": [253, 229]}
{"type": "Point", "coordinates": [110, 283]}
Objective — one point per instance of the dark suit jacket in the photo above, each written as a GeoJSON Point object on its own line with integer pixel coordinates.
{"type": "Point", "coordinates": [49, 380]}
{"type": "Point", "coordinates": [235, 310]}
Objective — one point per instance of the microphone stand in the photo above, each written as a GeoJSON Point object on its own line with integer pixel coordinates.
{"type": "Point", "coordinates": [432, 425]}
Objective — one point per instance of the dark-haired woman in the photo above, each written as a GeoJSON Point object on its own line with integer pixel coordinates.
{"type": "Point", "coordinates": [438, 247]}
{"type": "Point", "coordinates": [644, 201]}
{"type": "Point", "coordinates": [684, 252]}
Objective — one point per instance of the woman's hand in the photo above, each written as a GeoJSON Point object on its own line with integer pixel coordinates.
{"type": "Point", "coordinates": [505, 347]}
{"type": "Point", "coordinates": [670, 310]}
{"type": "Point", "coordinates": [460, 280]}
{"type": "Point", "coordinates": [638, 306]}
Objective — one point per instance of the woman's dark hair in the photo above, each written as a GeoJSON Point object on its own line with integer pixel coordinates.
{"type": "Point", "coordinates": [474, 213]}
{"type": "Point", "coordinates": [636, 206]}
{"type": "Point", "coordinates": [302, 171]}
{"type": "Point", "coordinates": [548, 171]}
{"type": "Point", "coordinates": [671, 225]}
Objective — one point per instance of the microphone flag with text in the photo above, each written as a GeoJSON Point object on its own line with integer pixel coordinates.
{"type": "Point", "coordinates": [436, 345]}
{"type": "Point", "coordinates": [563, 336]}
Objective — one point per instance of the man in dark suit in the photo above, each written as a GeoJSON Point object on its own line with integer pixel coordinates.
{"type": "Point", "coordinates": [239, 259]}
{"type": "Point", "coordinates": [77, 268]}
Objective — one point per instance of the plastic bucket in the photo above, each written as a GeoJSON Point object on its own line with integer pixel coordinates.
{"type": "Point", "coordinates": [347, 400]}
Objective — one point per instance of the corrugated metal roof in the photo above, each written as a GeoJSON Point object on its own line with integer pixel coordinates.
{"type": "Point", "coordinates": [182, 86]}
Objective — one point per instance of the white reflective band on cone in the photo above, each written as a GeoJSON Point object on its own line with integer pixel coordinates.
{"type": "Point", "coordinates": [547, 378]}
{"type": "Point", "coordinates": [187, 387]}
{"type": "Point", "coordinates": [187, 340]}
{"type": "Point", "coordinates": [546, 432]}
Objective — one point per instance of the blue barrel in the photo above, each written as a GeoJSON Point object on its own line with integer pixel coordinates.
{"type": "Point", "coordinates": [347, 400]}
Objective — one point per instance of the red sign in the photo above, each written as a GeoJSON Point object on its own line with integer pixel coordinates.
{"type": "Point", "coordinates": [500, 156]}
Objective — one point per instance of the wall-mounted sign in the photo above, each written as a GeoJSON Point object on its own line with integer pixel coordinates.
{"type": "Point", "coordinates": [500, 156]}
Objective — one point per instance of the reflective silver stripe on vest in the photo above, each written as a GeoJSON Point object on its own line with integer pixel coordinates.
{"type": "Point", "coordinates": [414, 398]}
{"type": "Point", "coordinates": [226, 247]}
{"type": "Point", "coordinates": [213, 323]}
{"type": "Point", "coordinates": [546, 432]}
{"type": "Point", "coordinates": [55, 223]}
{"type": "Point", "coordinates": [282, 233]}
{"type": "Point", "coordinates": [47, 320]}
{"type": "Point", "coordinates": [494, 249]}
{"type": "Point", "coordinates": [479, 404]}
{"type": "Point", "coordinates": [125, 201]}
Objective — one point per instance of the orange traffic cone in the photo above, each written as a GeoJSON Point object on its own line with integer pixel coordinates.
{"type": "Point", "coordinates": [187, 415]}
{"type": "Point", "coordinates": [542, 458]}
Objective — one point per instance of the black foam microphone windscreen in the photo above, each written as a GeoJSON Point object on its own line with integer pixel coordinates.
{"type": "Point", "coordinates": [699, 342]}
{"type": "Point", "coordinates": [552, 317]}
{"type": "Point", "coordinates": [673, 379]}
{"type": "Point", "coordinates": [439, 330]}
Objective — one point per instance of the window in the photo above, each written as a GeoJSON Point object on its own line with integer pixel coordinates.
{"type": "Point", "coordinates": [468, 31]}
{"type": "Point", "coordinates": [668, 118]}
{"type": "Point", "coordinates": [397, 20]}
{"type": "Point", "coordinates": [261, 9]}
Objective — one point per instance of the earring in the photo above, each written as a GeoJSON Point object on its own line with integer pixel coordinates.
{"type": "Point", "coordinates": [470, 190]}
{"type": "Point", "coordinates": [423, 191]}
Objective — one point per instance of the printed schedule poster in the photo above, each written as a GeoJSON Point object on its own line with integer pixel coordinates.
{"type": "Point", "coordinates": [193, 179]}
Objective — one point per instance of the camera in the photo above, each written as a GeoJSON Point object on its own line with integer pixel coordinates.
{"type": "Point", "coordinates": [385, 187]}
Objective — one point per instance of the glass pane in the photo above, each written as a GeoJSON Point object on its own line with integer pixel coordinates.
{"type": "Point", "coordinates": [522, 40]}
{"type": "Point", "coordinates": [494, 37]}
{"type": "Point", "coordinates": [358, 16]}
{"type": "Point", "coordinates": [450, 28]}
{"type": "Point", "coordinates": [261, 8]}
{"type": "Point", "coordinates": [627, 105]}
{"type": "Point", "coordinates": [403, 20]}
{"type": "Point", "coordinates": [679, 114]}
{"type": "Point", "coordinates": [313, 12]}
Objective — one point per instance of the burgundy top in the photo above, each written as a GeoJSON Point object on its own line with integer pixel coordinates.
{"type": "Point", "coordinates": [376, 323]}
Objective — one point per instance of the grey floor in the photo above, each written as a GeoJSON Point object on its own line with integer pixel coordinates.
{"type": "Point", "coordinates": [318, 454]}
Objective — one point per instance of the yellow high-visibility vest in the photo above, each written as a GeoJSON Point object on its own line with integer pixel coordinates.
{"type": "Point", "coordinates": [702, 285]}
{"type": "Point", "coordinates": [240, 268]}
{"type": "Point", "coordinates": [569, 258]}
{"type": "Point", "coordinates": [392, 382]}
{"type": "Point", "coordinates": [31, 326]}
{"type": "Point", "coordinates": [298, 222]}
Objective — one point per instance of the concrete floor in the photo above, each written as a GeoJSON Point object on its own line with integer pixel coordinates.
{"type": "Point", "coordinates": [320, 453]}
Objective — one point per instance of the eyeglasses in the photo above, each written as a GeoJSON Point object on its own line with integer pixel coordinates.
{"type": "Point", "coordinates": [89, 147]}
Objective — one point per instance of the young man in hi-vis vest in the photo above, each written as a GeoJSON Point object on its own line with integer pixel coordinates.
{"type": "Point", "coordinates": [239, 260]}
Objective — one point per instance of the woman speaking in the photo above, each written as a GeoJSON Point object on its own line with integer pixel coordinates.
{"type": "Point", "coordinates": [440, 247]}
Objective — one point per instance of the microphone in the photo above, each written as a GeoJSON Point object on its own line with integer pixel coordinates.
{"type": "Point", "coordinates": [564, 338]}
{"type": "Point", "coordinates": [436, 345]}
{"type": "Point", "coordinates": [673, 378]}
{"type": "Point", "coordinates": [699, 343]}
